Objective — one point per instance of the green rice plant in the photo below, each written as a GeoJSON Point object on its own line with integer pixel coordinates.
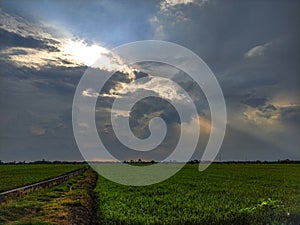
{"type": "Point", "coordinates": [267, 211]}
{"type": "Point", "coordinates": [223, 194]}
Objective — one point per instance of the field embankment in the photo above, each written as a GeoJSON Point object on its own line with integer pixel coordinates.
{"type": "Point", "coordinates": [68, 203]}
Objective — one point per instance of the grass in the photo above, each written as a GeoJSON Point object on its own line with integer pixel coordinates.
{"type": "Point", "coordinates": [68, 203]}
{"type": "Point", "coordinates": [258, 194]}
{"type": "Point", "coordinates": [13, 176]}
{"type": "Point", "coordinates": [223, 194]}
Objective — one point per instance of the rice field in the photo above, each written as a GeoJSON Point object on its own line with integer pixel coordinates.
{"type": "Point", "coordinates": [223, 194]}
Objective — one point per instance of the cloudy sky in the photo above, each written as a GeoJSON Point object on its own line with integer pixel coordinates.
{"type": "Point", "coordinates": [251, 46]}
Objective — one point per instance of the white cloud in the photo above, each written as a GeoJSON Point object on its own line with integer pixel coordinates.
{"type": "Point", "coordinates": [170, 11]}
{"type": "Point", "coordinates": [267, 119]}
{"type": "Point", "coordinates": [158, 28]}
{"type": "Point", "coordinates": [167, 4]}
{"type": "Point", "coordinates": [34, 58]}
{"type": "Point", "coordinates": [164, 5]}
{"type": "Point", "coordinates": [62, 51]}
{"type": "Point", "coordinates": [258, 50]}
{"type": "Point", "coordinates": [90, 93]}
{"type": "Point", "coordinates": [70, 54]}
{"type": "Point", "coordinates": [162, 86]}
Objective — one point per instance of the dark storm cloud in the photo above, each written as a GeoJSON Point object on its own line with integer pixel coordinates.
{"type": "Point", "coordinates": [121, 152]}
{"type": "Point", "coordinates": [287, 114]}
{"type": "Point", "coordinates": [143, 111]}
{"type": "Point", "coordinates": [139, 118]}
{"type": "Point", "coordinates": [146, 109]}
{"type": "Point", "coordinates": [61, 80]}
{"type": "Point", "coordinates": [223, 32]}
{"type": "Point", "coordinates": [251, 46]}
{"type": "Point", "coordinates": [35, 119]}
{"type": "Point", "coordinates": [229, 28]}
{"type": "Point", "coordinates": [114, 82]}
{"type": "Point", "coordinates": [291, 115]}
{"type": "Point", "coordinates": [10, 39]}
{"type": "Point", "coordinates": [255, 102]}
{"type": "Point", "coordinates": [36, 103]}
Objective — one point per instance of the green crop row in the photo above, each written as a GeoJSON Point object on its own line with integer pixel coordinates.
{"type": "Point", "coordinates": [222, 194]}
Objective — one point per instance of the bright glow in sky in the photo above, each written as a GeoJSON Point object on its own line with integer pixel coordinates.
{"type": "Point", "coordinates": [46, 45]}
{"type": "Point", "coordinates": [83, 53]}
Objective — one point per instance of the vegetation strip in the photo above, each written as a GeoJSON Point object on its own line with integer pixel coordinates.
{"type": "Point", "coordinates": [43, 184]}
{"type": "Point", "coordinates": [71, 202]}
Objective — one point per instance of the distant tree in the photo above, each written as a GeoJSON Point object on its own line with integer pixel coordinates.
{"type": "Point", "coordinates": [195, 161]}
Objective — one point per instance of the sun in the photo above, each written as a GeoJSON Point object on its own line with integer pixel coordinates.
{"type": "Point", "coordinates": [81, 53]}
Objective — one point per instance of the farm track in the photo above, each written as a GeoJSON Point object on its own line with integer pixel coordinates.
{"type": "Point", "coordinates": [43, 184]}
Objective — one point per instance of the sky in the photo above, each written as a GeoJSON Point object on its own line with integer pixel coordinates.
{"type": "Point", "coordinates": [252, 47]}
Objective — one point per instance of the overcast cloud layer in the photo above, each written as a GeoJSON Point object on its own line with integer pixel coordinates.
{"type": "Point", "coordinates": [251, 46]}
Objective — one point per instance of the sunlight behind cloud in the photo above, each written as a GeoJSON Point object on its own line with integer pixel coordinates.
{"type": "Point", "coordinates": [81, 53]}
{"type": "Point", "coordinates": [96, 56]}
